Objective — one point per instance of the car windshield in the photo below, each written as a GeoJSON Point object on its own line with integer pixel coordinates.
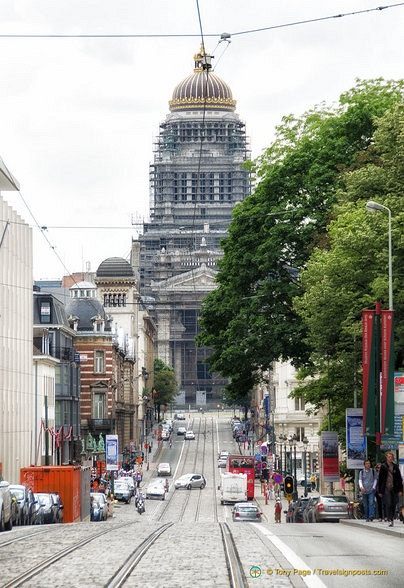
{"type": "Point", "coordinates": [43, 499]}
{"type": "Point", "coordinates": [121, 486]}
{"type": "Point", "coordinates": [18, 493]}
{"type": "Point", "coordinates": [248, 509]}
{"type": "Point", "coordinates": [98, 501]}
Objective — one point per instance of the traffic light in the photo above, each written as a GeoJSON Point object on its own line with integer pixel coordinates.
{"type": "Point", "coordinates": [126, 466]}
{"type": "Point", "coordinates": [288, 485]}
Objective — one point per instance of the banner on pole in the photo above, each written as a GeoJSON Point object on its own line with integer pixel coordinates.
{"type": "Point", "coordinates": [329, 449]}
{"type": "Point", "coordinates": [368, 361]}
{"type": "Point", "coordinates": [355, 440]}
{"type": "Point", "coordinates": [111, 450]}
{"type": "Point", "coordinates": [387, 400]}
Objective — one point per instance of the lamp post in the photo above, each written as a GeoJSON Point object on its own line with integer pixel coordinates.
{"type": "Point", "coordinates": [372, 206]}
{"type": "Point", "coordinates": [305, 443]}
{"type": "Point", "coordinates": [294, 439]}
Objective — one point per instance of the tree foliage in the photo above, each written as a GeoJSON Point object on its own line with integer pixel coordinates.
{"type": "Point", "coordinates": [165, 384]}
{"type": "Point", "coordinates": [251, 319]}
{"type": "Point", "coordinates": [353, 272]}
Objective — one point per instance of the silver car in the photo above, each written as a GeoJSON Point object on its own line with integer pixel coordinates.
{"type": "Point", "coordinates": [156, 489]}
{"type": "Point", "coordinates": [245, 511]}
{"type": "Point", "coordinates": [122, 492]}
{"type": "Point", "coordinates": [329, 508]}
{"type": "Point", "coordinates": [190, 481]}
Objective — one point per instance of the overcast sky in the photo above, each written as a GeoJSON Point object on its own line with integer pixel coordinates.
{"type": "Point", "coordinates": [78, 116]}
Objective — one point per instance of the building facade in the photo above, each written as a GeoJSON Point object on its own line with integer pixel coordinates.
{"type": "Point", "coordinates": [17, 395]}
{"type": "Point", "coordinates": [197, 178]}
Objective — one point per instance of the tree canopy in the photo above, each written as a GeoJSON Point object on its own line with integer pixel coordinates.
{"type": "Point", "coordinates": [252, 318]}
{"type": "Point", "coordinates": [165, 384]}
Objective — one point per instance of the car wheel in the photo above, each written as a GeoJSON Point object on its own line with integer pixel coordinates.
{"type": "Point", "coordinates": [202, 486]}
{"type": "Point", "coordinates": [8, 526]}
{"type": "Point", "coordinates": [189, 487]}
{"type": "Point", "coordinates": [2, 520]}
{"type": "Point", "coordinates": [128, 501]}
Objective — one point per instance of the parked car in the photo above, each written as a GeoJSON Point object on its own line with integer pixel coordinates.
{"type": "Point", "coordinates": [165, 435]}
{"type": "Point", "coordinates": [189, 435]}
{"type": "Point", "coordinates": [300, 505]}
{"type": "Point", "coordinates": [329, 508]}
{"type": "Point", "coordinates": [307, 510]}
{"type": "Point", "coordinates": [39, 514]}
{"type": "Point", "coordinates": [164, 469]}
{"type": "Point", "coordinates": [289, 514]}
{"type": "Point", "coordinates": [122, 491]}
{"type": "Point", "coordinates": [16, 511]}
{"type": "Point", "coordinates": [59, 504]}
{"type": "Point", "coordinates": [181, 430]}
{"type": "Point", "coordinates": [6, 514]}
{"type": "Point", "coordinates": [156, 489]}
{"type": "Point", "coordinates": [99, 506]}
{"type": "Point", "coordinates": [48, 506]}
{"type": "Point", "coordinates": [190, 481]}
{"type": "Point", "coordinates": [245, 511]}
{"type": "Point", "coordinates": [26, 500]}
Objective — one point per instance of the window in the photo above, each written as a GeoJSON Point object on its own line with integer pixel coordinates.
{"type": "Point", "coordinates": [300, 433]}
{"type": "Point", "coordinates": [99, 361]}
{"type": "Point", "coordinates": [299, 403]}
{"type": "Point", "coordinates": [98, 405]}
{"type": "Point", "coordinates": [45, 311]}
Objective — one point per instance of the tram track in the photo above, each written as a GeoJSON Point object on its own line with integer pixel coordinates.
{"type": "Point", "coordinates": [234, 565]}
{"type": "Point", "coordinates": [49, 561]}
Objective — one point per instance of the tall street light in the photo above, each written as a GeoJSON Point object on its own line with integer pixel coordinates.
{"type": "Point", "coordinates": [305, 443]}
{"type": "Point", "coordinates": [372, 206]}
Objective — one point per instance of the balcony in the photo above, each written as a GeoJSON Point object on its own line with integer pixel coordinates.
{"type": "Point", "coordinates": [99, 424]}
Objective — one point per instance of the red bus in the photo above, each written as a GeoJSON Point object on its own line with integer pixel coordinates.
{"type": "Point", "coordinates": [244, 464]}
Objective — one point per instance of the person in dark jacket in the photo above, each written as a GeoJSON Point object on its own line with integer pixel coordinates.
{"type": "Point", "coordinates": [390, 485]}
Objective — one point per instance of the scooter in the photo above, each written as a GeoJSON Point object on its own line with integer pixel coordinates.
{"type": "Point", "coordinates": [139, 501]}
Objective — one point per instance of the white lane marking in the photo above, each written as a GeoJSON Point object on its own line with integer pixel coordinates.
{"type": "Point", "coordinates": [179, 460]}
{"type": "Point", "coordinates": [292, 557]}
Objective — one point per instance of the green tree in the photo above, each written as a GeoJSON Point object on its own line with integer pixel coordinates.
{"type": "Point", "coordinates": [165, 385]}
{"type": "Point", "coordinates": [250, 320]}
{"type": "Point", "coordinates": [353, 272]}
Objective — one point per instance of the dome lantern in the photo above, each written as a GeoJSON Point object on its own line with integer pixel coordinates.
{"type": "Point", "coordinates": [202, 90]}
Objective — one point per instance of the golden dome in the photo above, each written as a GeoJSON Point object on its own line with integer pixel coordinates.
{"type": "Point", "coordinates": [202, 89]}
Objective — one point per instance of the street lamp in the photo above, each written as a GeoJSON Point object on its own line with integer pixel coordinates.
{"type": "Point", "coordinates": [372, 206]}
{"type": "Point", "coordinates": [305, 443]}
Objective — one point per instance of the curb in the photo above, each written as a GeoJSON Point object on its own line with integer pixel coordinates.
{"type": "Point", "coordinates": [373, 527]}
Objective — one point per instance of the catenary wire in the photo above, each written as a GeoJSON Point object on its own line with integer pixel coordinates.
{"type": "Point", "coordinates": [180, 35]}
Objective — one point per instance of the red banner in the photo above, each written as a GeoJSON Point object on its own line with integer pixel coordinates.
{"type": "Point", "coordinates": [368, 360]}
{"type": "Point", "coordinates": [387, 394]}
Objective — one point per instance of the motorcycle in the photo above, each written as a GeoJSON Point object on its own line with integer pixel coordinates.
{"type": "Point", "coordinates": [140, 506]}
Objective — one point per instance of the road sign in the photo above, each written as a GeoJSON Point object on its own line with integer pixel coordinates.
{"type": "Point", "coordinates": [259, 442]}
{"type": "Point", "coordinates": [259, 466]}
{"type": "Point", "coordinates": [289, 497]}
{"type": "Point", "coordinates": [257, 457]}
{"type": "Point", "coordinates": [264, 448]}
{"type": "Point", "coordinates": [277, 478]}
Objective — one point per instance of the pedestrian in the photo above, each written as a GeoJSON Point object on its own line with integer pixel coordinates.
{"type": "Point", "coordinates": [379, 499]}
{"type": "Point", "coordinates": [278, 510]}
{"type": "Point", "coordinates": [390, 486]}
{"type": "Point", "coordinates": [138, 479]}
{"type": "Point", "coordinates": [367, 485]}
{"type": "Point", "coordinates": [313, 481]}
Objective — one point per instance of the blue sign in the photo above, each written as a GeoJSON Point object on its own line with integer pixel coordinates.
{"type": "Point", "coordinates": [259, 466]}
{"type": "Point", "coordinates": [277, 478]}
{"type": "Point", "coordinates": [266, 402]}
{"type": "Point", "coordinates": [264, 448]}
{"type": "Point", "coordinates": [257, 457]}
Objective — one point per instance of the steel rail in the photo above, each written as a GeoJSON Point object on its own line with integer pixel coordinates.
{"type": "Point", "coordinates": [40, 567]}
{"type": "Point", "coordinates": [233, 561]}
{"type": "Point", "coordinates": [10, 541]}
{"type": "Point", "coordinates": [120, 577]}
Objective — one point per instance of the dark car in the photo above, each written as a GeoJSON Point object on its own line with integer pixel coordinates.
{"type": "Point", "coordinates": [307, 517]}
{"type": "Point", "coordinates": [290, 512]}
{"type": "Point", "coordinates": [48, 507]}
{"type": "Point", "coordinates": [6, 508]}
{"type": "Point", "coordinates": [58, 501]}
{"type": "Point", "coordinates": [26, 501]}
{"type": "Point", "coordinates": [299, 509]}
{"type": "Point", "coordinates": [99, 506]}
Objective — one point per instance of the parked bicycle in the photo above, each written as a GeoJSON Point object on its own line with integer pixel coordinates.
{"type": "Point", "coordinates": [356, 510]}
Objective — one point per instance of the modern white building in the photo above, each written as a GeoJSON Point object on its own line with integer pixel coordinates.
{"type": "Point", "coordinates": [17, 398]}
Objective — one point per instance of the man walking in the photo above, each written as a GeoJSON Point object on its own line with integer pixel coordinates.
{"type": "Point", "coordinates": [390, 486]}
{"type": "Point", "coordinates": [367, 485]}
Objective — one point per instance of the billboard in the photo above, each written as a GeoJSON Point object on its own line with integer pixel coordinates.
{"type": "Point", "coordinates": [355, 440]}
{"type": "Point", "coordinates": [329, 453]}
{"type": "Point", "coordinates": [111, 452]}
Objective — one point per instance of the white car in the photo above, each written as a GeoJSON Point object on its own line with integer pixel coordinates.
{"type": "Point", "coordinates": [181, 431]}
{"type": "Point", "coordinates": [189, 435]}
{"type": "Point", "coordinates": [156, 490]}
{"type": "Point", "coordinates": [164, 469]}
{"type": "Point", "coordinates": [129, 481]}
{"type": "Point", "coordinates": [165, 435]}
{"type": "Point", "coordinates": [180, 417]}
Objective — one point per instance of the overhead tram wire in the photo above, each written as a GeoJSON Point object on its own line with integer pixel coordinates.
{"type": "Point", "coordinates": [195, 35]}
